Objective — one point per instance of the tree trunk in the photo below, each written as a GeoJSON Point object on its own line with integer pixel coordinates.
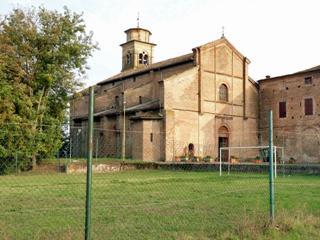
{"type": "Point", "coordinates": [34, 161]}
{"type": "Point", "coordinates": [39, 116]}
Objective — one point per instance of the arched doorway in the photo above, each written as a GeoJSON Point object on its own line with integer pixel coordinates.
{"type": "Point", "coordinates": [191, 150]}
{"type": "Point", "coordinates": [223, 141]}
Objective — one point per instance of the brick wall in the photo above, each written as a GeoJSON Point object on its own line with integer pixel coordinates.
{"type": "Point", "coordinates": [298, 133]}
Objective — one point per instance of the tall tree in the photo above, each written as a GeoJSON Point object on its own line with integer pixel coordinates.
{"type": "Point", "coordinates": [43, 57]}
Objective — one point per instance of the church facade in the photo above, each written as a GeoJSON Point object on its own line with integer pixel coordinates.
{"type": "Point", "coordinates": [188, 105]}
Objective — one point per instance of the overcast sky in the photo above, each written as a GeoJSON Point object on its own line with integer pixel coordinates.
{"type": "Point", "coordinates": [279, 37]}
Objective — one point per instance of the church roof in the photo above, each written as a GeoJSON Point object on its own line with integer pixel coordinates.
{"type": "Point", "coordinates": [226, 41]}
{"type": "Point", "coordinates": [308, 70]}
{"type": "Point", "coordinates": [138, 28]}
{"type": "Point", "coordinates": [163, 64]}
{"type": "Point", "coordinates": [169, 63]}
{"type": "Point", "coordinates": [151, 105]}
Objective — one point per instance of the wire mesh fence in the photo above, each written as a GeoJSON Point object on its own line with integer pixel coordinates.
{"type": "Point", "coordinates": [157, 187]}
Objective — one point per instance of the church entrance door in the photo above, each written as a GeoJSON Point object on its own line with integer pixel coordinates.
{"type": "Point", "coordinates": [223, 141]}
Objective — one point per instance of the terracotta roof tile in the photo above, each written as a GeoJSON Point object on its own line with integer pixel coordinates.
{"type": "Point", "coordinates": [162, 64]}
{"type": "Point", "coordinates": [316, 68]}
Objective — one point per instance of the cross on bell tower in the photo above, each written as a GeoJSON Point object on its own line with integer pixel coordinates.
{"type": "Point", "coordinates": [138, 20]}
{"type": "Point", "coordinates": [222, 33]}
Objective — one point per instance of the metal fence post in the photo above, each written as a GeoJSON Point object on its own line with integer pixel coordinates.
{"type": "Point", "coordinates": [89, 166]}
{"type": "Point", "coordinates": [124, 128]}
{"type": "Point", "coordinates": [275, 162]}
{"type": "Point", "coordinates": [220, 162]}
{"type": "Point", "coordinates": [271, 183]}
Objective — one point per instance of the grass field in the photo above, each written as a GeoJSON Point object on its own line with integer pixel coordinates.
{"type": "Point", "coordinates": [155, 204]}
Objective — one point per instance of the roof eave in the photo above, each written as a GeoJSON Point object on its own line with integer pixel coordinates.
{"type": "Point", "coordinates": [288, 75]}
{"type": "Point", "coordinates": [148, 69]}
{"type": "Point", "coordinates": [135, 40]}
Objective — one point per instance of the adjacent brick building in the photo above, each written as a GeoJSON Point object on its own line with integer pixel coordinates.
{"type": "Point", "coordinates": [295, 101]}
{"type": "Point", "coordinates": [187, 105]}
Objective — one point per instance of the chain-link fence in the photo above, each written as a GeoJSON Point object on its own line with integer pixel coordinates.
{"type": "Point", "coordinates": [155, 185]}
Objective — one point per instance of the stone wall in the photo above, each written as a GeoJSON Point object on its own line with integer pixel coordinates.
{"type": "Point", "coordinates": [214, 167]}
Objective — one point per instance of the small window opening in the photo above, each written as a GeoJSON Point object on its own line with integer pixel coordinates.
{"type": "Point", "coordinates": [151, 137]}
{"type": "Point", "coordinates": [308, 80]}
{"type": "Point", "coordinates": [140, 99]}
{"type": "Point", "coordinates": [117, 101]}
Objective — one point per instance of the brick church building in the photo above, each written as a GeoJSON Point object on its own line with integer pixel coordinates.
{"type": "Point", "coordinates": [197, 103]}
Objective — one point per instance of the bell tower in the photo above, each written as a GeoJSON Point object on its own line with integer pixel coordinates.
{"type": "Point", "coordinates": [137, 51]}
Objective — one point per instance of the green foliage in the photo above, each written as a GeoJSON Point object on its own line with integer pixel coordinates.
{"type": "Point", "coordinates": [43, 56]}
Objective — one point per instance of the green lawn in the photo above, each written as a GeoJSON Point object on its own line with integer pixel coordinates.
{"type": "Point", "coordinates": [155, 204]}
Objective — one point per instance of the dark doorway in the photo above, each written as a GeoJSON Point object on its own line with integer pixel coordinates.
{"type": "Point", "coordinates": [223, 142]}
{"type": "Point", "coordinates": [191, 150]}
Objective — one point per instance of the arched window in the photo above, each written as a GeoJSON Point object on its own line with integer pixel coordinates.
{"type": "Point", "coordinates": [143, 58]}
{"type": "Point", "coordinates": [223, 93]}
{"type": "Point", "coordinates": [128, 59]}
{"type": "Point", "coordinates": [140, 58]}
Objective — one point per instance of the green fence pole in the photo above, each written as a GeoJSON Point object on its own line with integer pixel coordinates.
{"type": "Point", "coordinates": [89, 165]}
{"type": "Point", "coordinates": [271, 183]}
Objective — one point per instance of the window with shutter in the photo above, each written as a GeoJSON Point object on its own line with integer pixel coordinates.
{"type": "Point", "coordinates": [308, 106]}
{"type": "Point", "coordinates": [282, 110]}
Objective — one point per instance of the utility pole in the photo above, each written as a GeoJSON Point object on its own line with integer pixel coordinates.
{"type": "Point", "coordinates": [124, 128]}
